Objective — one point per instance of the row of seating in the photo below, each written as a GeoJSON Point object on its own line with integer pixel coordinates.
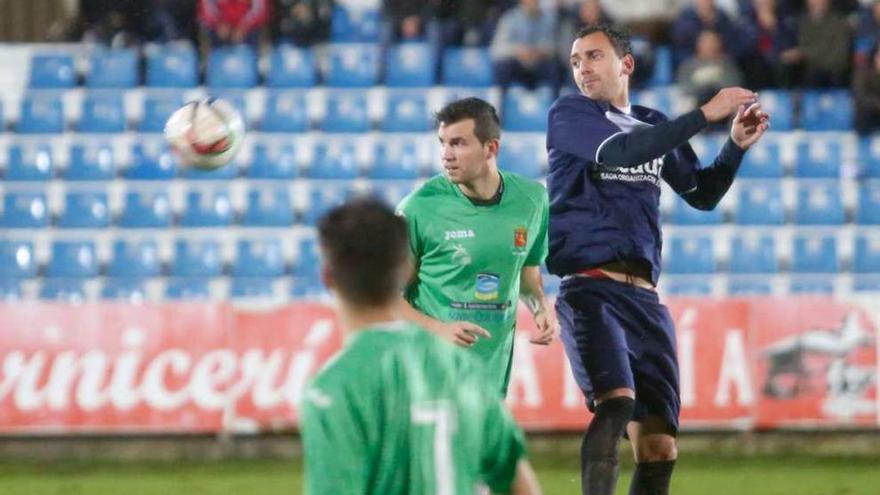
{"type": "Point", "coordinates": [762, 285]}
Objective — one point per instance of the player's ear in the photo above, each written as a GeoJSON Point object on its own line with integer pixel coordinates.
{"type": "Point", "coordinates": [327, 277]}
{"type": "Point", "coordinates": [628, 65]}
{"type": "Point", "coordinates": [493, 146]}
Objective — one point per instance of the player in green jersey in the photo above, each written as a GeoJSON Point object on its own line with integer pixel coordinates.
{"type": "Point", "coordinates": [398, 410]}
{"type": "Point", "coordinates": [478, 236]}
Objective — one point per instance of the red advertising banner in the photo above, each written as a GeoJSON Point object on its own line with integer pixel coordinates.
{"type": "Point", "coordinates": [115, 368]}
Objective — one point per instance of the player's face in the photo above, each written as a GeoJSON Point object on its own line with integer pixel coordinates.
{"type": "Point", "coordinates": [598, 72]}
{"type": "Point", "coordinates": [463, 156]}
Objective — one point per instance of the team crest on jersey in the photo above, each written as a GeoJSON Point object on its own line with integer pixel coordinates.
{"type": "Point", "coordinates": [487, 286]}
{"type": "Point", "coordinates": [520, 239]}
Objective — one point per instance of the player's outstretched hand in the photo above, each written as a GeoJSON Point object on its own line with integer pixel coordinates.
{"type": "Point", "coordinates": [463, 333]}
{"type": "Point", "coordinates": [548, 327]}
{"type": "Point", "coordinates": [749, 125]}
{"type": "Point", "coordinates": [726, 102]}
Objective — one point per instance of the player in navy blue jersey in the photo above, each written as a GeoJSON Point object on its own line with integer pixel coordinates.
{"type": "Point", "coordinates": [607, 158]}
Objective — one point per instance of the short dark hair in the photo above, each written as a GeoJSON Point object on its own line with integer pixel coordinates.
{"type": "Point", "coordinates": [365, 247]}
{"type": "Point", "coordinates": [619, 38]}
{"type": "Point", "coordinates": [487, 126]}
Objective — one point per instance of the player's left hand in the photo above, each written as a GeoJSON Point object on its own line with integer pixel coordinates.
{"type": "Point", "coordinates": [548, 327]}
{"type": "Point", "coordinates": [749, 125]}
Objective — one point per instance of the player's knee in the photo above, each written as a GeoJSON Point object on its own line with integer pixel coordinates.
{"type": "Point", "coordinates": [657, 448]}
{"type": "Point", "coordinates": [607, 427]}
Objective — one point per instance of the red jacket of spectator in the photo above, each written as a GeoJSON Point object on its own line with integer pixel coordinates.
{"type": "Point", "coordinates": [246, 14]}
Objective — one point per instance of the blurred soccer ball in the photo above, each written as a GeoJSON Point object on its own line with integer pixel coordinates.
{"type": "Point", "coordinates": [205, 134]}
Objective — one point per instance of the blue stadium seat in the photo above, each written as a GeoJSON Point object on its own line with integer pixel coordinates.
{"type": "Point", "coordinates": [226, 172]}
{"type": "Point", "coordinates": [307, 288]}
{"type": "Point", "coordinates": [261, 257]}
{"type": "Point", "coordinates": [147, 209]}
{"type": "Point", "coordinates": [707, 146]}
{"type": "Point", "coordinates": [866, 283]}
{"type": "Point", "coordinates": [869, 157]}
{"type": "Point", "coordinates": [292, 67]}
{"type": "Point", "coordinates": [308, 261]}
{"type": "Point", "coordinates": [663, 67]}
{"type": "Point", "coordinates": [687, 285]}
{"type": "Point", "coordinates": [659, 98]}
{"type": "Point", "coordinates": [41, 114]}
{"type": "Point", "coordinates": [135, 259]}
{"type": "Point", "coordinates": [753, 253]}
{"type": "Point", "coordinates": [690, 255]}
{"type": "Point", "coordinates": [52, 71]}
{"type": "Point", "coordinates": [523, 154]}
{"type": "Point", "coordinates": [354, 25]}
{"type": "Point", "coordinates": [323, 197]}
{"type": "Point", "coordinates": [10, 289]}
{"type": "Point", "coordinates": [232, 67]}
{"type": "Point", "coordinates": [826, 110]}
{"type": "Point", "coordinates": [86, 209]}
{"type": "Point", "coordinates": [74, 259]}
{"type": "Point", "coordinates": [151, 161]}
{"type": "Point", "coordinates": [467, 67]}
{"type": "Point", "coordinates": [188, 288]}
{"type": "Point", "coordinates": [410, 65]}
{"type": "Point", "coordinates": [25, 209]}
{"type": "Point", "coordinates": [762, 161]}
{"type": "Point", "coordinates": [69, 290]}
{"type": "Point", "coordinates": [406, 111]}
{"type": "Point", "coordinates": [392, 192]}
{"type": "Point", "coordinates": [273, 161]}
{"type": "Point", "coordinates": [207, 208]}
{"type": "Point", "coordinates": [158, 107]}
{"type": "Point", "coordinates": [868, 208]}
{"type": "Point", "coordinates": [197, 258]}
{"type": "Point", "coordinates": [17, 259]}
{"type": "Point", "coordinates": [173, 65]}
{"type": "Point", "coordinates": [268, 206]}
{"type": "Point", "coordinates": [396, 159]}
{"type": "Point", "coordinates": [252, 288]}
{"type": "Point", "coordinates": [815, 254]}
{"type": "Point", "coordinates": [114, 68]}
{"type": "Point", "coordinates": [235, 97]}
{"type": "Point", "coordinates": [30, 161]}
{"type": "Point", "coordinates": [526, 111]}
{"type": "Point", "coordinates": [778, 104]}
{"type": "Point", "coordinates": [685, 214]}
{"type": "Point", "coordinates": [124, 289]}
{"type": "Point", "coordinates": [352, 65]}
{"type": "Point", "coordinates": [760, 203]}
{"type": "Point", "coordinates": [819, 203]}
{"type": "Point", "coordinates": [867, 254]}
{"type": "Point", "coordinates": [90, 161]}
{"type": "Point", "coordinates": [802, 284]}
{"type": "Point", "coordinates": [286, 111]}
{"type": "Point", "coordinates": [102, 113]}
{"type": "Point", "coordinates": [818, 158]}
{"type": "Point", "coordinates": [749, 286]}
{"type": "Point", "coordinates": [346, 112]}
{"type": "Point", "coordinates": [335, 161]}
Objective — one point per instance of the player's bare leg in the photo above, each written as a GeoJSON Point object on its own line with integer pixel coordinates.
{"type": "Point", "coordinates": [599, 450]}
{"type": "Point", "coordinates": [655, 452]}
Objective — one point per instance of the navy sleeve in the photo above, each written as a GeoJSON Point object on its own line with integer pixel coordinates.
{"type": "Point", "coordinates": [577, 125]}
{"type": "Point", "coordinates": [647, 143]}
{"type": "Point", "coordinates": [702, 188]}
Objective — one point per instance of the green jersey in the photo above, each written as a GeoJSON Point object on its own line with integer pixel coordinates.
{"type": "Point", "coordinates": [470, 258]}
{"type": "Point", "coordinates": [399, 411]}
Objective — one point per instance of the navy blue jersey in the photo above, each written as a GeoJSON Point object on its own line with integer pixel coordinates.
{"type": "Point", "coordinates": [600, 212]}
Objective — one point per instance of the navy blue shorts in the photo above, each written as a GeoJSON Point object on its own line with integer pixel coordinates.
{"type": "Point", "coordinates": [619, 336]}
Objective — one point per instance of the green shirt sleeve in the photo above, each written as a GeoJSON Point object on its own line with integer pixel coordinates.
{"type": "Point", "coordinates": [539, 248]}
{"type": "Point", "coordinates": [503, 447]}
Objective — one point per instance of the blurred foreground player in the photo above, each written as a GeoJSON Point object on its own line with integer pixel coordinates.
{"type": "Point", "coordinates": [398, 410]}
{"type": "Point", "coordinates": [607, 158]}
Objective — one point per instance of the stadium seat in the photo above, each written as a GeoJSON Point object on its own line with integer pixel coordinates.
{"type": "Point", "coordinates": [151, 161]}
{"type": "Point", "coordinates": [760, 203]}
{"type": "Point", "coordinates": [687, 285]}
{"type": "Point", "coordinates": [102, 113]}
{"type": "Point", "coordinates": [273, 161]}
{"type": "Point", "coordinates": [235, 97]}
{"type": "Point", "coordinates": [188, 288]}
{"type": "Point", "coordinates": [867, 254]}
{"type": "Point", "coordinates": [30, 161]}
{"type": "Point", "coordinates": [52, 71]}
{"type": "Point", "coordinates": [25, 209]}
{"type": "Point", "coordinates": [173, 65]}
{"type": "Point", "coordinates": [114, 68]}
{"type": "Point", "coordinates": [869, 157]}
{"type": "Point", "coordinates": [826, 110]}
{"type": "Point", "coordinates": [307, 262]}
{"type": "Point", "coordinates": [410, 65]}
{"type": "Point", "coordinates": [762, 161]}
{"type": "Point", "coordinates": [360, 25]}
{"type": "Point", "coordinates": [346, 112]}
{"type": "Point", "coordinates": [685, 214]}
{"type": "Point", "coordinates": [232, 67]}
{"type": "Point", "coordinates": [260, 257]}
{"type": "Point", "coordinates": [227, 172]}
{"type": "Point", "coordinates": [307, 288]}
{"type": "Point", "coordinates": [707, 146]}
{"type": "Point", "coordinates": [815, 254]}
{"type": "Point", "coordinates": [752, 253]}
{"type": "Point", "coordinates": [10, 289]}
{"type": "Point", "coordinates": [90, 161]}
{"type": "Point", "coordinates": [749, 286]}
{"type": "Point", "coordinates": [866, 283]}
{"type": "Point", "coordinates": [17, 259]}
{"type": "Point", "coordinates": [818, 157]}
{"type": "Point", "coordinates": [467, 67]}
{"type": "Point", "coordinates": [778, 103]}
{"type": "Point", "coordinates": [41, 114]}
{"type": "Point", "coordinates": [207, 208]}
{"type": "Point", "coordinates": [335, 161]}
{"type": "Point", "coordinates": [123, 289]}
{"type": "Point", "coordinates": [158, 106]}
{"type": "Point", "coordinates": [396, 159]}
{"type": "Point", "coordinates": [135, 259]}
{"type": "Point", "coordinates": [146, 209]}
{"type": "Point", "coordinates": [526, 111]}
{"type": "Point", "coordinates": [292, 67]}
{"type": "Point", "coordinates": [523, 154]}
{"type": "Point", "coordinates": [286, 111]}
{"type": "Point", "coordinates": [663, 67]}
{"type": "Point", "coordinates": [268, 206]}
{"type": "Point", "coordinates": [86, 209]}
{"type": "Point", "coordinates": [819, 203]}
{"type": "Point", "coordinates": [690, 255]}
{"type": "Point", "coordinates": [658, 98]}
{"type": "Point", "coordinates": [392, 192]}
{"type": "Point", "coordinates": [406, 111]}
{"type": "Point", "coordinates": [868, 207]}
{"type": "Point", "coordinates": [352, 65]}
{"type": "Point", "coordinates": [196, 258]}
{"type": "Point", "coordinates": [74, 259]}
{"type": "Point", "coordinates": [69, 290]}
{"type": "Point", "coordinates": [252, 288]}
{"type": "Point", "coordinates": [802, 284]}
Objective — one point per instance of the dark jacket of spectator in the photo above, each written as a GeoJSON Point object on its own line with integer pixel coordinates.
{"type": "Point", "coordinates": [866, 92]}
{"type": "Point", "coordinates": [868, 32]}
{"type": "Point", "coordinates": [824, 40]}
{"type": "Point", "coordinates": [304, 22]}
{"type": "Point", "coordinates": [704, 15]}
{"type": "Point", "coordinates": [408, 19]}
{"type": "Point", "coordinates": [709, 70]}
{"type": "Point", "coordinates": [771, 34]}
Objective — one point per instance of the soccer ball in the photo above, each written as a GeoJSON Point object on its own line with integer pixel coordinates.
{"type": "Point", "coordinates": [205, 134]}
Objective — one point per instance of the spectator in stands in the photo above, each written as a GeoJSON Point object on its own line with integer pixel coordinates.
{"type": "Point", "coordinates": [824, 42]}
{"type": "Point", "coordinates": [406, 20]}
{"type": "Point", "coordinates": [304, 22]}
{"type": "Point", "coordinates": [708, 70]}
{"type": "Point", "coordinates": [868, 33]}
{"type": "Point", "coordinates": [466, 22]}
{"type": "Point", "coordinates": [523, 49]}
{"type": "Point", "coordinates": [866, 92]}
{"type": "Point", "coordinates": [572, 19]}
{"type": "Point", "coordinates": [693, 20]}
{"type": "Point", "coordinates": [771, 34]}
{"type": "Point", "coordinates": [233, 21]}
